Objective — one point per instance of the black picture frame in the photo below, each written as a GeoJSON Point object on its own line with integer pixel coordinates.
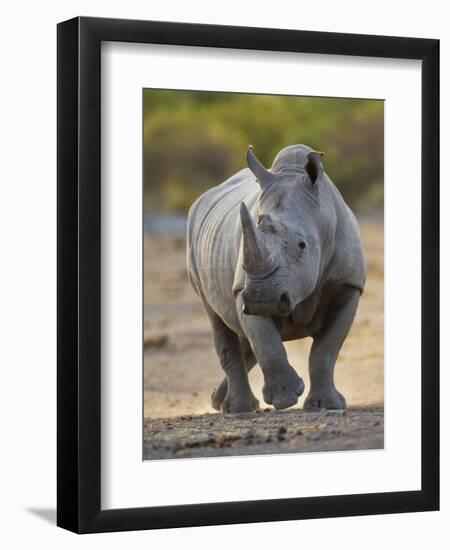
{"type": "Point", "coordinates": [79, 280]}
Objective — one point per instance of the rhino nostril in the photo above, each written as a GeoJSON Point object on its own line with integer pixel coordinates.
{"type": "Point", "coordinates": [285, 302]}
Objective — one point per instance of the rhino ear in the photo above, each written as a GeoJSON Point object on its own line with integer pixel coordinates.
{"type": "Point", "coordinates": [314, 166]}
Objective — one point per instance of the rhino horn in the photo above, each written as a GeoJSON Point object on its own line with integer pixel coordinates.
{"type": "Point", "coordinates": [263, 175]}
{"type": "Point", "coordinates": [257, 260]}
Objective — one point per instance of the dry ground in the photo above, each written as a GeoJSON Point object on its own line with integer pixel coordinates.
{"type": "Point", "coordinates": [181, 370]}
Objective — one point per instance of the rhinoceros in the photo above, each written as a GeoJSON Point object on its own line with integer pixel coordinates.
{"type": "Point", "coordinates": [276, 255]}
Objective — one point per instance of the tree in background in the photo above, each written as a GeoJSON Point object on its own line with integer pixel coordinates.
{"type": "Point", "coordinates": [195, 140]}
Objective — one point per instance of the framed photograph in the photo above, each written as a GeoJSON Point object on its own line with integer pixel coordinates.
{"type": "Point", "coordinates": [248, 275]}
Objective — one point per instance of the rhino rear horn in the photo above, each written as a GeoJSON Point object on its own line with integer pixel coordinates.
{"type": "Point", "coordinates": [257, 260]}
{"type": "Point", "coordinates": [263, 175]}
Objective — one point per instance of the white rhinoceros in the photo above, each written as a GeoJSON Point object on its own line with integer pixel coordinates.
{"type": "Point", "coordinates": [276, 255]}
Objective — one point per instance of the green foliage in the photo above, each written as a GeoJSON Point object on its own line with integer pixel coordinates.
{"type": "Point", "coordinates": [195, 140]}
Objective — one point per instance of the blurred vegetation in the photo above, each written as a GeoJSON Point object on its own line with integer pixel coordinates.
{"type": "Point", "coordinates": [195, 140]}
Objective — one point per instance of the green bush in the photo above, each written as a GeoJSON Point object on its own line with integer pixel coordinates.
{"type": "Point", "coordinates": [195, 140]}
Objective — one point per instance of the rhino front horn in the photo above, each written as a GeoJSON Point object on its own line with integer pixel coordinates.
{"type": "Point", "coordinates": [257, 260]}
{"type": "Point", "coordinates": [261, 173]}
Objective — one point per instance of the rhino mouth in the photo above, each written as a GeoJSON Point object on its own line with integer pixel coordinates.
{"type": "Point", "coordinates": [281, 306]}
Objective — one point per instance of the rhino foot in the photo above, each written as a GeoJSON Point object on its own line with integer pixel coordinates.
{"type": "Point", "coordinates": [283, 390]}
{"type": "Point", "coordinates": [222, 400]}
{"type": "Point", "coordinates": [240, 403]}
{"type": "Point", "coordinates": [219, 394]}
{"type": "Point", "coordinates": [328, 398]}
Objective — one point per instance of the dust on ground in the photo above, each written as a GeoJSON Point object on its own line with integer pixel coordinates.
{"type": "Point", "coordinates": [181, 370]}
{"type": "Point", "coordinates": [263, 432]}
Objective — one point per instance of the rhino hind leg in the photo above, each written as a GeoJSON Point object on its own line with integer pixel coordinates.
{"type": "Point", "coordinates": [239, 397]}
{"type": "Point", "coordinates": [325, 349]}
{"type": "Point", "coordinates": [219, 394]}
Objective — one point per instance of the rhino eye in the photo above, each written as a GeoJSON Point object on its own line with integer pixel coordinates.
{"type": "Point", "coordinates": [302, 245]}
{"type": "Point", "coordinates": [264, 223]}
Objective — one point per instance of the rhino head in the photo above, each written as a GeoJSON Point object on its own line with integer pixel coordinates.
{"type": "Point", "coordinates": [282, 247]}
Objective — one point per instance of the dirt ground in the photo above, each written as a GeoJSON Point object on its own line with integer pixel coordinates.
{"type": "Point", "coordinates": [181, 370]}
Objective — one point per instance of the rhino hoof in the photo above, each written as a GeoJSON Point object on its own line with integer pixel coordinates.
{"type": "Point", "coordinates": [284, 393]}
{"type": "Point", "coordinates": [330, 399]}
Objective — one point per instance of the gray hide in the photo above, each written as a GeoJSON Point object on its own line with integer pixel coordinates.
{"type": "Point", "coordinates": [276, 255]}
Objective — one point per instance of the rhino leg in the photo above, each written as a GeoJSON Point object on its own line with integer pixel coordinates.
{"type": "Point", "coordinates": [220, 393]}
{"type": "Point", "coordinates": [239, 396]}
{"type": "Point", "coordinates": [282, 385]}
{"type": "Point", "coordinates": [324, 351]}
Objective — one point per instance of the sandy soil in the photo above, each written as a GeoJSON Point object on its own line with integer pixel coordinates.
{"type": "Point", "coordinates": [181, 370]}
{"type": "Point", "coordinates": [265, 432]}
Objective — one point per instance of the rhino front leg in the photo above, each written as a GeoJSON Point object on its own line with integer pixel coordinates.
{"type": "Point", "coordinates": [324, 351]}
{"type": "Point", "coordinates": [239, 396]}
{"type": "Point", "coordinates": [282, 385]}
{"type": "Point", "coordinates": [219, 394]}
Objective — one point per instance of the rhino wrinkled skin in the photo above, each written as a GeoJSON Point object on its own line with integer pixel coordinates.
{"type": "Point", "coordinates": [276, 255]}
